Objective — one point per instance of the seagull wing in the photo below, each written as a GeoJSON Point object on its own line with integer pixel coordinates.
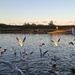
{"type": "Point", "coordinates": [58, 39]}
{"type": "Point", "coordinates": [20, 72]}
{"type": "Point", "coordinates": [26, 53]}
{"type": "Point", "coordinates": [40, 53]}
{"type": "Point", "coordinates": [24, 39]}
{"type": "Point", "coordinates": [31, 53]}
{"type": "Point", "coordinates": [71, 43]}
{"type": "Point", "coordinates": [20, 42]}
{"type": "Point", "coordinates": [44, 53]}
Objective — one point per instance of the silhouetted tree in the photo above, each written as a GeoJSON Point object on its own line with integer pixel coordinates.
{"type": "Point", "coordinates": [51, 23]}
{"type": "Point", "coordinates": [2, 25]}
{"type": "Point", "coordinates": [26, 24]}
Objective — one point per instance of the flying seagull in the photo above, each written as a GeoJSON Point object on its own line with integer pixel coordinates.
{"type": "Point", "coordinates": [42, 54]}
{"type": "Point", "coordinates": [56, 42]}
{"type": "Point", "coordinates": [42, 44]}
{"type": "Point", "coordinates": [2, 51]}
{"type": "Point", "coordinates": [71, 43]}
{"type": "Point", "coordinates": [27, 53]}
{"type": "Point", "coordinates": [21, 42]}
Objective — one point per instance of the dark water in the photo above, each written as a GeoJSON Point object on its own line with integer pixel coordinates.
{"type": "Point", "coordinates": [63, 55]}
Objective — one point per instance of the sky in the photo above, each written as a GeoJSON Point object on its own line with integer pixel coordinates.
{"type": "Point", "coordinates": [37, 11]}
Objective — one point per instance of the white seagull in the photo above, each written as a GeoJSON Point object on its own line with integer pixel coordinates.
{"type": "Point", "coordinates": [12, 67]}
{"type": "Point", "coordinates": [56, 42]}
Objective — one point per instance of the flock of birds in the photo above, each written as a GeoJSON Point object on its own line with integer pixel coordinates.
{"type": "Point", "coordinates": [11, 66]}
{"type": "Point", "coordinates": [56, 42]}
{"type": "Point", "coordinates": [42, 54]}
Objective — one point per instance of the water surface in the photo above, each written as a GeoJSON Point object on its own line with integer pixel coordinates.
{"type": "Point", "coordinates": [63, 55]}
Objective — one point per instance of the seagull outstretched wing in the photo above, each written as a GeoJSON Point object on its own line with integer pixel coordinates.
{"type": "Point", "coordinates": [20, 42]}
{"type": "Point", "coordinates": [24, 39]}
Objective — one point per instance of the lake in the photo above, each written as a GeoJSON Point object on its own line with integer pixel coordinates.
{"type": "Point", "coordinates": [62, 55]}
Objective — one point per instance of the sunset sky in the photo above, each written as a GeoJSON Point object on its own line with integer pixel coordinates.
{"type": "Point", "coordinates": [37, 11]}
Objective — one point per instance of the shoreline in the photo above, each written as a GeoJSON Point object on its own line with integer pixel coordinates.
{"type": "Point", "coordinates": [30, 31]}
